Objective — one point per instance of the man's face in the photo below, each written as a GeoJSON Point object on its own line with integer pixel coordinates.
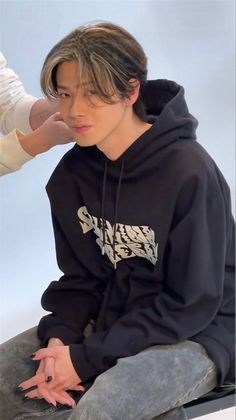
{"type": "Point", "coordinates": [93, 122]}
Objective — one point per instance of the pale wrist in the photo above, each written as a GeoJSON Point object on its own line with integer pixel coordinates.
{"type": "Point", "coordinates": [55, 342]}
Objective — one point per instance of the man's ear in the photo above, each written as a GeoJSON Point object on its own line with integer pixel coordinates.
{"type": "Point", "coordinates": [133, 96]}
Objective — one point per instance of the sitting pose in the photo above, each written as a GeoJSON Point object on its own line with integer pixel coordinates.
{"type": "Point", "coordinates": [145, 240]}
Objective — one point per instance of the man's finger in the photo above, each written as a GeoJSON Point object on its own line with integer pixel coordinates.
{"type": "Point", "coordinates": [49, 369]}
{"type": "Point", "coordinates": [47, 396]}
{"type": "Point", "coordinates": [42, 353]}
{"type": "Point", "coordinates": [78, 388]}
{"type": "Point", "coordinates": [34, 381]}
{"type": "Point", "coordinates": [33, 394]}
{"type": "Point", "coordinates": [63, 398]}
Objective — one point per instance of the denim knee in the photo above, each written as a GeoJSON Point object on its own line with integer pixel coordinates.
{"type": "Point", "coordinates": [98, 402]}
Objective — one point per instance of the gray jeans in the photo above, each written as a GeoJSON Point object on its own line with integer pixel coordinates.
{"type": "Point", "coordinates": [153, 384]}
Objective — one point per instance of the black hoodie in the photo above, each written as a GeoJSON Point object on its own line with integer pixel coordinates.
{"type": "Point", "coordinates": [146, 245]}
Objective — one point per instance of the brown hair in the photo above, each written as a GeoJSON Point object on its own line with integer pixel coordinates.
{"type": "Point", "coordinates": [109, 57]}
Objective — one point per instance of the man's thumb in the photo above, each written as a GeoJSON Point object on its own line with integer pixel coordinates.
{"type": "Point", "coordinates": [42, 353]}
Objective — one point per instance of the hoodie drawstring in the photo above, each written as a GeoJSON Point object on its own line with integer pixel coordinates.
{"type": "Point", "coordinates": [103, 207]}
{"type": "Point", "coordinates": [115, 211]}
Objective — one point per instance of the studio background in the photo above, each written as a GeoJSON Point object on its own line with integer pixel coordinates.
{"type": "Point", "coordinates": [191, 42]}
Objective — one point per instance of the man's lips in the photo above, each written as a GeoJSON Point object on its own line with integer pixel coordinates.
{"type": "Point", "coordinates": [81, 128]}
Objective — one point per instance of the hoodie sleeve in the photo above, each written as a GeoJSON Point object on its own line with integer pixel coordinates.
{"type": "Point", "coordinates": [72, 301]}
{"type": "Point", "coordinates": [197, 263]}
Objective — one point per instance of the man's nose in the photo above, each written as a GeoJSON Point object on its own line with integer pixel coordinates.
{"type": "Point", "coordinates": [77, 107]}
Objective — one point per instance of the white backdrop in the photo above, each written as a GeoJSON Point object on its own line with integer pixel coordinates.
{"type": "Point", "coordinates": [191, 42]}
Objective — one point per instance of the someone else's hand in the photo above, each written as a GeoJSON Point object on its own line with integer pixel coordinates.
{"type": "Point", "coordinates": [55, 131]}
{"type": "Point", "coordinates": [65, 377]}
{"type": "Point", "coordinates": [52, 132]}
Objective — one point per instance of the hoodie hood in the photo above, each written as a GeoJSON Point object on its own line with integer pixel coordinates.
{"type": "Point", "coordinates": [167, 110]}
{"type": "Point", "coordinates": [165, 99]}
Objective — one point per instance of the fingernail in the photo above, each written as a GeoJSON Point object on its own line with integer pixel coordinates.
{"type": "Point", "coordinates": [32, 355]}
{"type": "Point", "coordinates": [26, 398]}
{"type": "Point", "coordinates": [49, 379]}
{"type": "Point", "coordinates": [19, 388]}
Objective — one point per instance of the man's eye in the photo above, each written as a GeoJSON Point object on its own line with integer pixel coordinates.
{"type": "Point", "coordinates": [63, 95]}
{"type": "Point", "coordinates": [91, 92]}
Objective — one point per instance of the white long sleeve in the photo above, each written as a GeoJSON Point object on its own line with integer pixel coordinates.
{"type": "Point", "coordinates": [15, 102]}
{"type": "Point", "coordinates": [15, 107]}
{"type": "Point", "coordinates": [12, 155]}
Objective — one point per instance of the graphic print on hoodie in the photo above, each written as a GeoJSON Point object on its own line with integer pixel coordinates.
{"type": "Point", "coordinates": [120, 241]}
{"type": "Point", "coordinates": [183, 286]}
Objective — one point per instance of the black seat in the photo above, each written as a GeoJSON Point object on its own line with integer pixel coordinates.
{"type": "Point", "coordinates": [218, 399]}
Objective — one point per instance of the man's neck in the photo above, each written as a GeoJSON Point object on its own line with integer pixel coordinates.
{"type": "Point", "coordinates": [128, 132]}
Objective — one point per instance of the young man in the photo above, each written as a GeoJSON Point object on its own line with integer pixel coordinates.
{"type": "Point", "coordinates": [31, 125]}
{"type": "Point", "coordinates": [145, 239]}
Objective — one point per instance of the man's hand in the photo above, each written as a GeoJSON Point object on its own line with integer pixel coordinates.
{"type": "Point", "coordinates": [63, 376]}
